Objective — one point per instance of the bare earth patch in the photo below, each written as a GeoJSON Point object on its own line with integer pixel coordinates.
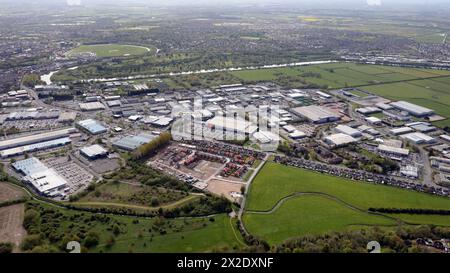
{"type": "Point", "coordinates": [220, 187]}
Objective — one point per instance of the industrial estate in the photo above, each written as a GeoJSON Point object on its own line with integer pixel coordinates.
{"type": "Point", "coordinates": [286, 156]}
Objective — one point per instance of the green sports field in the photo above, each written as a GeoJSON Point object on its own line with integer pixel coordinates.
{"type": "Point", "coordinates": [332, 204]}
{"type": "Point", "coordinates": [111, 50]}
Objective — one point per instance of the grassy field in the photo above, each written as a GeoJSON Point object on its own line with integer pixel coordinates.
{"type": "Point", "coordinates": [338, 75]}
{"type": "Point", "coordinates": [197, 235]}
{"type": "Point", "coordinates": [130, 234]}
{"type": "Point", "coordinates": [343, 206]}
{"type": "Point", "coordinates": [312, 215]}
{"type": "Point", "coordinates": [431, 93]}
{"type": "Point", "coordinates": [425, 87]}
{"type": "Point", "coordinates": [111, 50]}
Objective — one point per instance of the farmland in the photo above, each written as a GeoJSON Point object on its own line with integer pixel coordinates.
{"type": "Point", "coordinates": [327, 204]}
{"type": "Point", "coordinates": [110, 50]}
{"type": "Point", "coordinates": [425, 87]}
{"type": "Point", "coordinates": [339, 75]}
{"type": "Point", "coordinates": [11, 216]}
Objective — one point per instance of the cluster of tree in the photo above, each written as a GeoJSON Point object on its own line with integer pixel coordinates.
{"type": "Point", "coordinates": [411, 211]}
{"type": "Point", "coordinates": [32, 80]}
{"type": "Point", "coordinates": [6, 247]}
{"type": "Point", "coordinates": [13, 202]}
{"type": "Point", "coordinates": [254, 244]}
{"type": "Point", "coordinates": [49, 230]}
{"type": "Point", "coordinates": [150, 148]}
{"type": "Point", "coordinates": [400, 240]}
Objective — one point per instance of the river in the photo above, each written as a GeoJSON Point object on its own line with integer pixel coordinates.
{"type": "Point", "coordinates": [47, 77]}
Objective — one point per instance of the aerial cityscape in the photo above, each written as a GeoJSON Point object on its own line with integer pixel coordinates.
{"type": "Point", "coordinates": [260, 126]}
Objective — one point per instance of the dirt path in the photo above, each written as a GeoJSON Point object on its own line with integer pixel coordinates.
{"type": "Point", "coordinates": [142, 207]}
{"type": "Point", "coordinates": [331, 197]}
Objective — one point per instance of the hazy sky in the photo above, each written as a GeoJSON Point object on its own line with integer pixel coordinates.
{"type": "Point", "coordinates": [318, 3]}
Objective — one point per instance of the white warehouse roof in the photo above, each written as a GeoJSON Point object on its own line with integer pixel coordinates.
{"type": "Point", "coordinates": [348, 130]}
{"type": "Point", "coordinates": [339, 139]}
{"type": "Point", "coordinates": [393, 150]}
{"type": "Point", "coordinates": [411, 108]}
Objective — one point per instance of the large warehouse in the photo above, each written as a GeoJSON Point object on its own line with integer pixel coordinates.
{"type": "Point", "coordinates": [317, 114]}
{"type": "Point", "coordinates": [338, 140]}
{"type": "Point", "coordinates": [231, 125]}
{"type": "Point", "coordinates": [31, 139]}
{"type": "Point", "coordinates": [130, 143]}
{"type": "Point", "coordinates": [419, 138]}
{"type": "Point", "coordinates": [413, 109]}
{"type": "Point", "coordinates": [35, 147]}
{"type": "Point", "coordinates": [92, 126]}
{"type": "Point", "coordinates": [389, 150]}
{"type": "Point", "coordinates": [348, 130]}
{"type": "Point", "coordinates": [94, 152]}
{"type": "Point", "coordinates": [46, 181]}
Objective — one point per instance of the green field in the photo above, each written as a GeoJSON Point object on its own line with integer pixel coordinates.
{"type": "Point", "coordinates": [135, 234]}
{"type": "Point", "coordinates": [430, 93]}
{"type": "Point", "coordinates": [111, 50]}
{"type": "Point", "coordinates": [332, 204]}
{"type": "Point", "coordinates": [338, 75]}
{"type": "Point", "coordinates": [309, 214]}
{"type": "Point", "coordinates": [217, 235]}
{"type": "Point", "coordinates": [425, 87]}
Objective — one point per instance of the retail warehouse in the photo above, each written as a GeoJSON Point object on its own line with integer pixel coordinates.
{"type": "Point", "coordinates": [46, 181]}
{"type": "Point", "coordinates": [31, 139]}
{"type": "Point", "coordinates": [317, 114]}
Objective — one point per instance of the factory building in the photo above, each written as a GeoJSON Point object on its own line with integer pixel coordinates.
{"type": "Point", "coordinates": [348, 130]}
{"type": "Point", "coordinates": [368, 110]}
{"type": "Point", "coordinates": [35, 147]}
{"type": "Point", "coordinates": [231, 125]}
{"type": "Point", "coordinates": [401, 130]}
{"type": "Point", "coordinates": [445, 137]}
{"type": "Point", "coordinates": [317, 114]}
{"type": "Point", "coordinates": [94, 152]}
{"type": "Point", "coordinates": [130, 143]}
{"type": "Point", "coordinates": [91, 106]}
{"type": "Point", "coordinates": [419, 138]}
{"type": "Point", "coordinates": [395, 151]}
{"type": "Point", "coordinates": [339, 140]}
{"type": "Point", "coordinates": [410, 171]}
{"type": "Point", "coordinates": [31, 139]}
{"type": "Point", "coordinates": [296, 134]}
{"type": "Point", "coordinates": [412, 109]}
{"type": "Point", "coordinates": [373, 120]}
{"type": "Point", "coordinates": [92, 126]}
{"type": "Point", "coordinates": [46, 181]}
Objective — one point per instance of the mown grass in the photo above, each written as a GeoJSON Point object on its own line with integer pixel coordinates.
{"type": "Point", "coordinates": [309, 215]}
{"type": "Point", "coordinates": [344, 206]}
{"type": "Point", "coordinates": [110, 50]}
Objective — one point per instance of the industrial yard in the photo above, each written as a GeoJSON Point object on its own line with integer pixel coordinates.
{"type": "Point", "coordinates": [234, 129]}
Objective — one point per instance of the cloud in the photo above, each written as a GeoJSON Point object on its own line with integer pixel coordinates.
{"type": "Point", "coordinates": [374, 2]}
